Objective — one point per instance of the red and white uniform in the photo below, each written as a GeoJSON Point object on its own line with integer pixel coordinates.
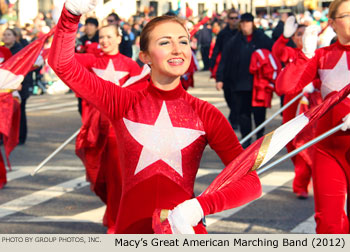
{"type": "Point", "coordinates": [9, 120]}
{"type": "Point", "coordinates": [96, 143]}
{"type": "Point", "coordinates": [331, 168]}
{"type": "Point", "coordinates": [265, 69]}
{"type": "Point", "coordinates": [161, 136]}
{"type": "Point", "coordinates": [302, 169]}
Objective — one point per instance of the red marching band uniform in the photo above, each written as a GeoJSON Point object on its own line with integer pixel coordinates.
{"type": "Point", "coordinates": [302, 164]}
{"type": "Point", "coordinates": [331, 163]}
{"type": "Point", "coordinates": [96, 144]}
{"type": "Point", "coordinates": [9, 120]}
{"type": "Point", "coordinates": [265, 69]}
{"type": "Point", "coordinates": [161, 136]}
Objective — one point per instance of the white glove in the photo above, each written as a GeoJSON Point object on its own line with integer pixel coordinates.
{"type": "Point", "coordinates": [310, 40]}
{"type": "Point", "coordinates": [309, 88]}
{"type": "Point", "coordinates": [290, 26]}
{"type": "Point", "coordinates": [79, 7]}
{"type": "Point", "coordinates": [346, 121]}
{"type": "Point", "coordinates": [185, 216]}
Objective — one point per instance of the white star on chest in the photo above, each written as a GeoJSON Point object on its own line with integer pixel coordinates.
{"type": "Point", "coordinates": [161, 141]}
{"type": "Point", "coordinates": [335, 79]}
{"type": "Point", "coordinates": [110, 74]}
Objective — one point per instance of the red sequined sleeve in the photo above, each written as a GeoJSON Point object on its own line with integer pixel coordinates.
{"type": "Point", "coordinates": [283, 52]}
{"type": "Point", "coordinates": [297, 74]}
{"type": "Point", "coordinates": [224, 142]}
{"type": "Point", "coordinates": [106, 96]}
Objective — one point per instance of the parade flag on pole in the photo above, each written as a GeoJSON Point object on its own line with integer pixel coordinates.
{"type": "Point", "coordinates": [266, 147]}
{"type": "Point", "coordinates": [260, 152]}
{"type": "Point", "coordinates": [12, 72]}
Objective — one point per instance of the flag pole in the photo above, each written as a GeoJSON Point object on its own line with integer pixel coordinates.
{"type": "Point", "coordinates": [55, 152]}
{"type": "Point", "coordinates": [270, 118]}
{"type": "Point", "coordinates": [301, 148]}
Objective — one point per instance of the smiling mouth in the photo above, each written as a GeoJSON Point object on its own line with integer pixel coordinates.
{"type": "Point", "coordinates": [176, 61]}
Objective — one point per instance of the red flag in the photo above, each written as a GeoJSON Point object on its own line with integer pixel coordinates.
{"type": "Point", "coordinates": [308, 101]}
{"type": "Point", "coordinates": [12, 72]}
{"type": "Point", "coordinates": [262, 150]}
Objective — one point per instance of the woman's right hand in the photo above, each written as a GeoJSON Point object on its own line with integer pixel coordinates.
{"type": "Point", "coordinates": [79, 7]}
{"type": "Point", "coordinates": [219, 85]}
{"type": "Point", "coordinates": [310, 40]}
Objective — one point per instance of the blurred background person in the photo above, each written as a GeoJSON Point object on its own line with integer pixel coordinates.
{"type": "Point", "coordinates": [233, 71]}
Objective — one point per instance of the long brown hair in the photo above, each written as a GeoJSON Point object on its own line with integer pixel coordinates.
{"type": "Point", "coordinates": [146, 31]}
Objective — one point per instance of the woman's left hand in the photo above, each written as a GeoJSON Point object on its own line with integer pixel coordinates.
{"type": "Point", "coordinates": [185, 216]}
{"type": "Point", "coordinates": [346, 121]}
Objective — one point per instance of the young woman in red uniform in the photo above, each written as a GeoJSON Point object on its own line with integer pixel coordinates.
{"type": "Point", "coordinates": [331, 167]}
{"type": "Point", "coordinates": [161, 131]}
{"type": "Point", "coordinates": [286, 55]}
{"type": "Point", "coordinates": [96, 144]}
{"type": "Point", "coordinates": [5, 53]}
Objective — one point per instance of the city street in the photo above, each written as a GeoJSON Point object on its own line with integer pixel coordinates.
{"type": "Point", "coordinates": [58, 199]}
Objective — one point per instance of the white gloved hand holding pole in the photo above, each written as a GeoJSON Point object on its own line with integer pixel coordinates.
{"type": "Point", "coordinates": [346, 121]}
{"type": "Point", "coordinates": [310, 40]}
{"type": "Point", "coordinates": [185, 216]}
{"type": "Point", "coordinates": [79, 7]}
{"type": "Point", "coordinates": [290, 26]}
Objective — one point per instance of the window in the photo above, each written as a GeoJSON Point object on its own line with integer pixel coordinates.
{"type": "Point", "coordinates": [200, 8]}
{"type": "Point", "coordinates": [45, 5]}
{"type": "Point", "coordinates": [170, 6]}
{"type": "Point", "coordinates": [154, 4]}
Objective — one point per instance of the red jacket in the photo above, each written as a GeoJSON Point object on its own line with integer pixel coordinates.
{"type": "Point", "coordinates": [265, 68]}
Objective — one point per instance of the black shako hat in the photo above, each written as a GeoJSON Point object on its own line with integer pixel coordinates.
{"type": "Point", "coordinates": [247, 17]}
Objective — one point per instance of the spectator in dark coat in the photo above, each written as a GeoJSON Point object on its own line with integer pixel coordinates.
{"type": "Point", "coordinates": [233, 73]}
{"type": "Point", "coordinates": [204, 37]}
{"type": "Point", "coordinates": [91, 31]}
{"type": "Point", "coordinates": [224, 35]}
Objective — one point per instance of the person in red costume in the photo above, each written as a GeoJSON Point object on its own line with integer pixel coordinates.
{"type": "Point", "coordinates": [96, 143]}
{"type": "Point", "coordinates": [161, 131]}
{"type": "Point", "coordinates": [287, 55]}
{"type": "Point", "coordinates": [331, 167]}
{"type": "Point", "coordinates": [9, 119]}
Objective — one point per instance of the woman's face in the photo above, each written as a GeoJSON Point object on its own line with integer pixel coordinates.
{"type": "Point", "coordinates": [298, 37]}
{"type": "Point", "coordinates": [109, 40]}
{"type": "Point", "coordinates": [341, 23]}
{"type": "Point", "coordinates": [8, 37]}
{"type": "Point", "coordinates": [246, 27]}
{"type": "Point", "coordinates": [168, 53]}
